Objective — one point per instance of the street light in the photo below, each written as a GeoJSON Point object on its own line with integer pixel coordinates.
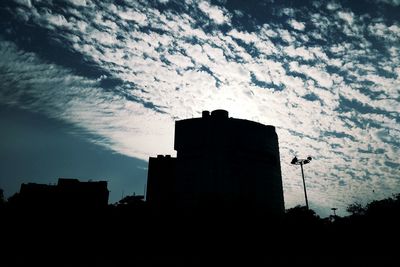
{"type": "Point", "coordinates": [301, 162]}
{"type": "Point", "coordinates": [334, 211]}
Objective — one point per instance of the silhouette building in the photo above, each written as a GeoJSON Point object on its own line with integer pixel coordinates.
{"type": "Point", "coordinates": [161, 181]}
{"type": "Point", "coordinates": [222, 163]}
{"type": "Point", "coordinates": [67, 194]}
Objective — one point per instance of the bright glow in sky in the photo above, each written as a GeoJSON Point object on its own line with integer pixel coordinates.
{"type": "Point", "coordinates": [326, 75]}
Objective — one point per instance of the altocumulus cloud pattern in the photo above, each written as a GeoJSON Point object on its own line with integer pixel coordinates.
{"type": "Point", "coordinates": [325, 73]}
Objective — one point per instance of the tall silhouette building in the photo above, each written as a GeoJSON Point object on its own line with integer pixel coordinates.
{"type": "Point", "coordinates": [222, 163]}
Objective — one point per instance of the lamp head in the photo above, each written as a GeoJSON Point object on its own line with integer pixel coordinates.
{"type": "Point", "coordinates": [309, 158]}
{"type": "Point", "coordinates": [294, 160]}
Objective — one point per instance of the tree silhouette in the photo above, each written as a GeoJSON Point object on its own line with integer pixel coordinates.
{"type": "Point", "coordinates": [301, 215]}
{"type": "Point", "coordinates": [355, 209]}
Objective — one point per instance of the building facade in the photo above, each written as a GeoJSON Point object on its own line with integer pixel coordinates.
{"type": "Point", "coordinates": [222, 163]}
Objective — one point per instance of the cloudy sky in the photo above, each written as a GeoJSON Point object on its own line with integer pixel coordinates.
{"type": "Point", "coordinates": [91, 88]}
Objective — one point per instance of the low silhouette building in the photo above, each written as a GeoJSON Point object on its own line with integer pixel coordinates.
{"type": "Point", "coordinates": [222, 163]}
{"type": "Point", "coordinates": [67, 194]}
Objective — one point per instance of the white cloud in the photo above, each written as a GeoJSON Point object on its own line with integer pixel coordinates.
{"type": "Point", "coordinates": [391, 33]}
{"type": "Point", "coordinates": [268, 31]}
{"type": "Point", "coordinates": [286, 36]}
{"type": "Point", "coordinates": [297, 25]}
{"type": "Point", "coordinates": [333, 6]}
{"type": "Point", "coordinates": [244, 36]}
{"type": "Point", "coordinates": [319, 53]}
{"type": "Point", "coordinates": [104, 38]}
{"type": "Point", "coordinates": [395, 29]}
{"type": "Point", "coordinates": [197, 54]}
{"type": "Point", "coordinates": [214, 54]}
{"type": "Point", "coordinates": [57, 20]}
{"type": "Point", "coordinates": [180, 61]}
{"type": "Point", "coordinates": [319, 75]}
{"type": "Point", "coordinates": [78, 2]}
{"type": "Point", "coordinates": [346, 16]}
{"type": "Point", "coordinates": [287, 11]}
{"type": "Point", "coordinates": [302, 52]}
{"type": "Point", "coordinates": [214, 12]}
{"type": "Point", "coordinates": [133, 15]}
{"type": "Point", "coordinates": [265, 47]}
{"type": "Point", "coordinates": [323, 25]}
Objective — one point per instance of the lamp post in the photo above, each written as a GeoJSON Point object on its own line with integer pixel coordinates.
{"type": "Point", "coordinates": [301, 162]}
{"type": "Point", "coordinates": [334, 216]}
{"type": "Point", "coordinates": [334, 211]}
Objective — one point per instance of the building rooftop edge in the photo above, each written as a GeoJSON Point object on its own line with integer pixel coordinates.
{"type": "Point", "coordinates": [221, 114]}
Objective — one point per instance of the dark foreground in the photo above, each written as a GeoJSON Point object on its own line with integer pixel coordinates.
{"type": "Point", "coordinates": [132, 237]}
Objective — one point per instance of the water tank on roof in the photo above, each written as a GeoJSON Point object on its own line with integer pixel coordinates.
{"type": "Point", "coordinates": [205, 114]}
{"type": "Point", "coordinates": [220, 114]}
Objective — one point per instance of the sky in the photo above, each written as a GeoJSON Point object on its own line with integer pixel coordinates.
{"type": "Point", "coordinates": [90, 89]}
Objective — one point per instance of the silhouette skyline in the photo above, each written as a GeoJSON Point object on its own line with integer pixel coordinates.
{"type": "Point", "coordinates": [110, 79]}
{"type": "Point", "coordinates": [223, 190]}
{"type": "Point", "coordinates": [67, 194]}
